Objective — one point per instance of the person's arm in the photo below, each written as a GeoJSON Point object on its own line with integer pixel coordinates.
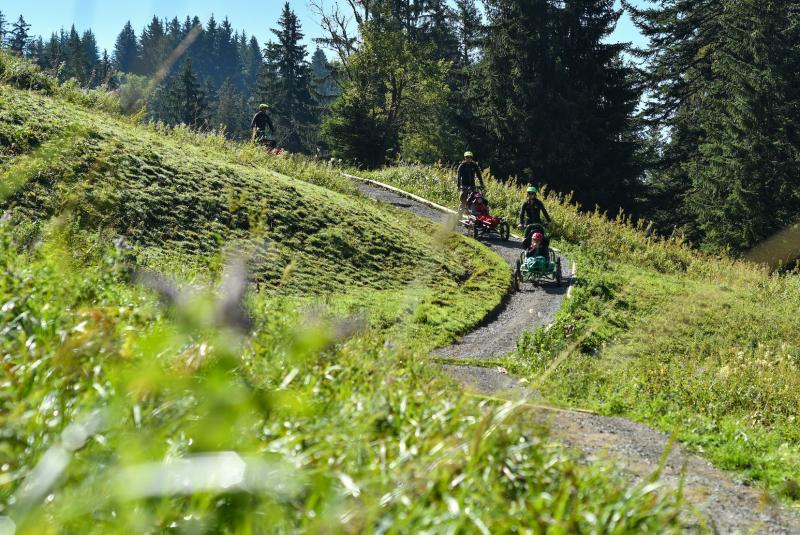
{"type": "Point", "coordinates": [480, 176]}
{"type": "Point", "coordinates": [458, 175]}
{"type": "Point", "coordinates": [253, 122]}
{"type": "Point", "coordinates": [544, 211]}
{"type": "Point", "coordinates": [522, 216]}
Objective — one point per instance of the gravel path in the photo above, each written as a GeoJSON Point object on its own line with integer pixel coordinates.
{"type": "Point", "coordinates": [723, 504]}
{"type": "Point", "coordinates": [521, 312]}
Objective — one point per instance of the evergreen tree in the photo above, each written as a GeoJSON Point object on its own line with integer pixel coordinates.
{"type": "Point", "coordinates": [153, 47]}
{"type": "Point", "coordinates": [254, 60]}
{"type": "Point", "coordinates": [210, 59]}
{"type": "Point", "coordinates": [228, 52]}
{"type": "Point", "coordinates": [18, 41]}
{"type": "Point", "coordinates": [469, 31]}
{"type": "Point", "coordinates": [231, 112]}
{"type": "Point", "coordinates": [90, 51]}
{"type": "Point", "coordinates": [746, 176]}
{"type": "Point", "coordinates": [323, 86]}
{"type": "Point", "coordinates": [105, 70]}
{"type": "Point", "coordinates": [557, 100]}
{"type": "Point", "coordinates": [3, 29]}
{"type": "Point", "coordinates": [189, 99]}
{"type": "Point", "coordinates": [75, 65]}
{"type": "Point", "coordinates": [53, 54]}
{"type": "Point", "coordinates": [440, 30]}
{"type": "Point", "coordinates": [126, 49]}
{"type": "Point", "coordinates": [286, 83]}
{"type": "Point", "coordinates": [91, 57]}
{"type": "Point", "coordinates": [36, 51]}
{"type": "Point", "coordinates": [683, 41]}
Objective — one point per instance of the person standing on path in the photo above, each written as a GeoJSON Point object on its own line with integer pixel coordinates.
{"type": "Point", "coordinates": [465, 178]}
{"type": "Point", "coordinates": [261, 121]}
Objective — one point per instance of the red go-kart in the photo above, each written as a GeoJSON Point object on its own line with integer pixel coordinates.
{"type": "Point", "coordinates": [487, 225]}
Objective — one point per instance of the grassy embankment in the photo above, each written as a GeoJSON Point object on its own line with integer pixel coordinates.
{"type": "Point", "coordinates": [109, 399]}
{"type": "Point", "coordinates": [656, 331]}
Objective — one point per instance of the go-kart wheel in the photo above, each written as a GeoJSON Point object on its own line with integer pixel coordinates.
{"type": "Point", "coordinates": [558, 272]}
{"type": "Point", "coordinates": [506, 232]}
{"type": "Point", "coordinates": [517, 283]}
{"type": "Point", "coordinates": [475, 230]}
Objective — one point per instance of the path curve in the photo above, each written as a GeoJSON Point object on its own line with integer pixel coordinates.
{"type": "Point", "coordinates": [521, 311]}
{"type": "Point", "coordinates": [725, 505]}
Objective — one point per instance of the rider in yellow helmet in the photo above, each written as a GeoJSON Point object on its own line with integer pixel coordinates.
{"type": "Point", "coordinates": [465, 177]}
{"type": "Point", "coordinates": [261, 121]}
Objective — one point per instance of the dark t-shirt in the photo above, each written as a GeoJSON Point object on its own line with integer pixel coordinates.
{"type": "Point", "coordinates": [531, 212]}
{"type": "Point", "coordinates": [467, 171]}
{"type": "Point", "coordinates": [261, 122]}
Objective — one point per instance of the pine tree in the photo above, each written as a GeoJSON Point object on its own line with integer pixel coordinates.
{"type": "Point", "coordinates": [191, 102]}
{"type": "Point", "coordinates": [228, 52]}
{"type": "Point", "coordinates": [53, 54]}
{"type": "Point", "coordinates": [286, 81]}
{"type": "Point", "coordinates": [126, 49]}
{"type": "Point", "coordinates": [683, 41]}
{"type": "Point", "coordinates": [36, 51]}
{"type": "Point", "coordinates": [153, 47]}
{"type": "Point", "coordinates": [746, 176]}
{"type": "Point", "coordinates": [75, 67]}
{"type": "Point", "coordinates": [440, 30]}
{"type": "Point", "coordinates": [557, 100]}
{"type": "Point", "coordinates": [469, 30]}
{"type": "Point", "coordinates": [91, 57]}
{"type": "Point", "coordinates": [18, 41]}
{"type": "Point", "coordinates": [231, 112]}
{"type": "Point", "coordinates": [3, 29]}
{"type": "Point", "coordinates": [252, 63]}
{"type": "Point", "coordinates": [323, 86]}
{"type": "Point", "coordinates": [210, 59]}
{"type": "Point", "coordinates": [104, 70]}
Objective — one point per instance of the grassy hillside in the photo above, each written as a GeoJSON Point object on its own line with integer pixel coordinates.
{"type": "Point", "coordinates": [123, 413]}
{"type": "Point", "coordinates": [705, 346]}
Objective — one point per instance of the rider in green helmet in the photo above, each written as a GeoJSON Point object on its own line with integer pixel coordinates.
{"type": "Point", "coordinates": [532, 211]}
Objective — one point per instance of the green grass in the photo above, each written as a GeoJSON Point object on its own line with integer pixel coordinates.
{"type": "Point", "coordinates": [110, 399]}
{"type": "Point", "coordinates": [661, 333]}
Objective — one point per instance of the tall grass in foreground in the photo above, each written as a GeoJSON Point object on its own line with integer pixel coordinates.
{"type": "Point", "coordinates": [120, 415]}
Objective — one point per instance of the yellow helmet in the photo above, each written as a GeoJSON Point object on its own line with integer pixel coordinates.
{"type": "Point", "coordinates": [468, 154]}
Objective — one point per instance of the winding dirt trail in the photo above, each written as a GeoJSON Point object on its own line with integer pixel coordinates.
{"type": "Point", "coordinates": [720, 503]}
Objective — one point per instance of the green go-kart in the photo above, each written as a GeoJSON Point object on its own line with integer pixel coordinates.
{"type": "Point", "coordinates": [536, 270]}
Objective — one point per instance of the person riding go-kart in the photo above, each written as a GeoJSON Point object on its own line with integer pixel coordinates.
{"type": "Point", "coordinates": [259, 125]}
{"type": "Point", "coordinates": [481, 222]}
{"type": "Point", "coordinates": [465, 179]}
{"type": "Point", "coordinates": [532, 210]}
{"type": "Point", "coordinates": [537, 262]}
{"type": "Point", "coordinates": [478, 204]}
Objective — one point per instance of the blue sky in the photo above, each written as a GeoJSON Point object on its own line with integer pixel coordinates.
{"type": "Point", "coordinates": [106, 17]}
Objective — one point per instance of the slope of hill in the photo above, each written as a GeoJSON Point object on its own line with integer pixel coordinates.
{"type": "Point", "coordinates": [120, 414]}
{"type": "Point", "coordinates": [708, 347]}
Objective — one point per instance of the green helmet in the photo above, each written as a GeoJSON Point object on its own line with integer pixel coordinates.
{"type": "Point", "coordinates": [532, 189]}
{"type": "Point", "coordinates": [263, 107]}
{"type": "Point", "coordinates": [468, 154]}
